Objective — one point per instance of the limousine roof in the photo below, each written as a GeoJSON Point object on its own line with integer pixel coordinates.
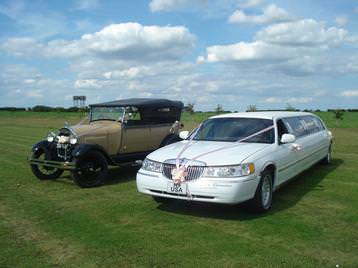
{"type": "Point", "coordinates": [264, 115]}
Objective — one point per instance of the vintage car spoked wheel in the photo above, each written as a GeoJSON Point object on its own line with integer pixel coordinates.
{"type": "Point", "coordinates": [43, 172]}
{"type": "Point", "coordinates": [263, 196]}
{"type": "Point", "coordinates": [91, 170]}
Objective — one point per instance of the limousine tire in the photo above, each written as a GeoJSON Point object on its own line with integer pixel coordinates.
{"type": "Point", "coordinates": [262, 200]}
{"type": "Point", "coordinates": [328, 157]}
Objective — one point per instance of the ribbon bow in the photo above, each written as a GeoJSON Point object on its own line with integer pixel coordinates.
{"type": "Point", "coordinates": [179, 174]}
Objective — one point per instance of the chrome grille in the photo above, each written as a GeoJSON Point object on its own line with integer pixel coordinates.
{"type": "Point", "coordinates": [194, 172]}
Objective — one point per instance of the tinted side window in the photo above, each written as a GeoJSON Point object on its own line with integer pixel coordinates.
{"type": "Point", "coordinates": [310, 125]}
{"type": "Point", "coordinates": [295, 125]}
{"type": "Point", "coordinates": [318, 123]}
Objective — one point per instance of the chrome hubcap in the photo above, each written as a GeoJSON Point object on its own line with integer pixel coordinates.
{"type": "Point", "coordinates": [266, 191]}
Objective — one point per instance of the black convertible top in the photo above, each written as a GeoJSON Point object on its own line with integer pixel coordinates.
{"type": "Point", "coordinates": [142, 103]}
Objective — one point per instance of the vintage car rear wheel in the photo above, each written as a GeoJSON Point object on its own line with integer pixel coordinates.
{"type": "Point", "coordinates": [42, 172]}
{"type": "Point", "coordinates": [91, 170]}
{"type": "Point", "coordinates": [263, 197]}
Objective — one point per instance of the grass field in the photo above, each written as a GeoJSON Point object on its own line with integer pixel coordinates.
{"type": "Point", "coordinates": [313, 223]}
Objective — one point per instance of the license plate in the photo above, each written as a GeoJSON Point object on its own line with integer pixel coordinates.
{"type": "Point", "coordinates": [176, 188]}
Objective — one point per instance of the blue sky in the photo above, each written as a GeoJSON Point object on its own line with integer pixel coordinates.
{"type": "Point", "coordinates": [229, 52]}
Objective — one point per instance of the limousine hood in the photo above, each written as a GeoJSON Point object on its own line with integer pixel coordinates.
{"type": "Point", "coordinates": [231, 154]}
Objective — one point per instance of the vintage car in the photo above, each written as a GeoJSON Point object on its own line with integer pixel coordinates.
{"type": "Point", "coordinates": [115, 133]}
{"type": "Point", "coordinates": [237, 157]}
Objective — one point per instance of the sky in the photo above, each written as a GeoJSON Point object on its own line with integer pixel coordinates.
{"type": "Point", "coordinates": [232, 53]}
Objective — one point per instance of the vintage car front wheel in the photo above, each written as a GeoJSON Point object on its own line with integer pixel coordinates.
{"type": "Point", "coordinates": [43, 172]}
{"type": "Point", "coordinates": [91, 170]}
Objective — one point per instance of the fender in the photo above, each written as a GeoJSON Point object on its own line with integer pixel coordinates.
{"type": "Point", "coordinates": [44, 144]}
{"type": "Point", "coordinates": [82, 149]}
{"type": "Point", "coordinates": [270, 163]}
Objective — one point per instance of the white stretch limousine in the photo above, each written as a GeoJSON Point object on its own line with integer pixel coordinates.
{"type": "Point", "coordinates": [236, 157]}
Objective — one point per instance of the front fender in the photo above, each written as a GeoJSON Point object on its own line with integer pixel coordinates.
{"type": "Point", "coordinates": [44, 145]}
{"type": "Point", "coordinates": [82, 149]}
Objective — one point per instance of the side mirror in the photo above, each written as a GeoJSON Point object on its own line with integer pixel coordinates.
{"type": "Point", "coordinates": [183, 134]}
{"type": "Point", "coordinates": [288, 138]}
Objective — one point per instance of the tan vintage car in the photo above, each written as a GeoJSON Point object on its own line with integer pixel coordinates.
{"type": "Point", "coordinates": [116, 132]}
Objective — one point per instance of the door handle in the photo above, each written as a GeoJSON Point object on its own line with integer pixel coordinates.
{"type": "Point", "coordinates": [296, 147]}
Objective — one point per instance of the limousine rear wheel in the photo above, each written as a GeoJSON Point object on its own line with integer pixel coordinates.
{"type": "Point", "coordinates": [327, 159]}
{"type": "Point", "coordinates": [263, 197]}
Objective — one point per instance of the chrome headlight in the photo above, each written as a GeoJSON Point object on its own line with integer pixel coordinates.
{"type": "Point", "coordinates": [73, 141]}
{"type": "Point", "coordinates": [230, 171]}
{"type": "Point", "coordinates": [152, 165]}
{"type": "Point", "coordinates": [51, 137]}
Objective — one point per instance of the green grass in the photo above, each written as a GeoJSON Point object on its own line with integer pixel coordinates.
{"type": "Point", "coordinates": [313, 223]}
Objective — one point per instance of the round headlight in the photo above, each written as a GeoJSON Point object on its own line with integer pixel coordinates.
{"type": "Point", "coordinates": [73, 141]}
{"type": "Point", "coordinates": [50, 138]}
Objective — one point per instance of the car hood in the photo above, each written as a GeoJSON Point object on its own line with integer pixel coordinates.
{"type": "Point", "coordinates": [228, 153]}
{"type": "Point", "coordinates": [94, 129]}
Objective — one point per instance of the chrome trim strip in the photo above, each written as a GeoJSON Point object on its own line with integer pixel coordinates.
{"type": "Point", "coordinates": [299, 160]}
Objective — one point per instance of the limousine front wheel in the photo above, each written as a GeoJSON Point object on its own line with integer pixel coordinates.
{"type": "Point", "coordinates": [263, 197]}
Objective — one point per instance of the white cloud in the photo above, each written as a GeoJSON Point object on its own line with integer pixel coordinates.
{"type": "Point", "coordinates": [306, 32]}
{"type": "Point", "coordinates": [251, 3]}
{"type": "Point", "coordinates": [341, 20]}
{"type": "Point", "coordinates": [243, 51]}
{"type": "Point", "coordinates": [87, 83]}
{"type": "Point", "coordinates": [272, 100]}
{"type": "Point", "coordinates": [126, 41]}
{"type": "Point", "coordinates": [86, 4]}
{"type": "Point", "coordinates": [350, 93]}
{"type": "Point", "coordinates": [41, 23]}
{"type": "Point", "coordinates": [170, 5]}
{"type": "Point", "coordinates": [299, 100]}
{"type": "Point", "coordinates": [271, 14]}
{"type": "Point", "coordinates": [296, 48]}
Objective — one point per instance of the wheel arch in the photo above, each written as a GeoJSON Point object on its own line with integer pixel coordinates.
{"type": "Point", "coordinates": [83, 149]}
{"type": "Point", "coordinates": [272, 167]}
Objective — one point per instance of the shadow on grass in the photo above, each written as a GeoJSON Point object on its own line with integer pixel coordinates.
{"type": "Point", "coordinates": [287, 196]}
{"type": "Point", "coordinates": [115, 175]}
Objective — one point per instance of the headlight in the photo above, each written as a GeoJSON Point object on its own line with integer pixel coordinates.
{"type": "Point", "coordinates": [73, 141]}
{"type": "Point", "coordinates": [230, 171]}
{"type": "Point", "coordinates": [152, 165]}
{"type": "Point", "coordinates": [51, 137]}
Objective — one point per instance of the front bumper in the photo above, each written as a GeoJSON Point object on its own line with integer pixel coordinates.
{"type": "Point", "coordinates": [53, 164]}
{"type": "Point", "coordinates": [214, 190]}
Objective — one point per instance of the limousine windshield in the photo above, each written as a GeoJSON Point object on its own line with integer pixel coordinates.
{"type": "Point", "coordinates": [235, 129]}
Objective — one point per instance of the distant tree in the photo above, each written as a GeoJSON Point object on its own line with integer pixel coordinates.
{"type": "Point", "coordinates": [338, 115]}
{"type": "Point", "coordinates": [251, 108]}
{"type": "Point", "coordinates": [190, 107]}
{"type": "Point", "coordinates": [219, 109]}
{"type": "Point", "coordinates": [289, 107]}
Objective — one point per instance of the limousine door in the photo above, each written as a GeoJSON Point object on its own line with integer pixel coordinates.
{"type": "Point", "coordinates": [286, 155]}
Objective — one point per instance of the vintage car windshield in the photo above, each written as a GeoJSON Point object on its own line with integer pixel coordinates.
{"type": "Point", "coordinates": [235, 129]}
{"type": "Point", "coordinates": [107, 113]}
